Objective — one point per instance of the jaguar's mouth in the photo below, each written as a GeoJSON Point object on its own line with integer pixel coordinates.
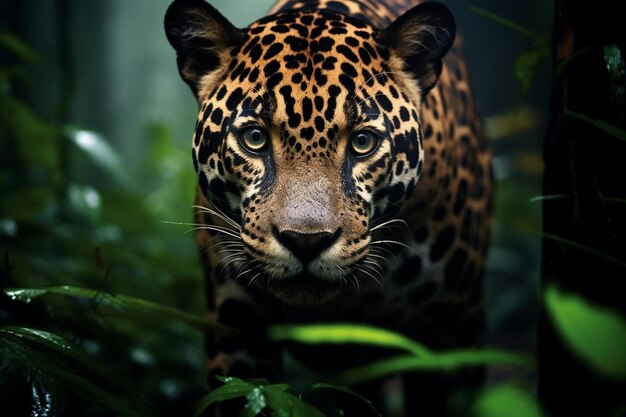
{"type": "Point", "coordinates": [300, 290]}
{"type": "Point", "coordinates": [305, 289]}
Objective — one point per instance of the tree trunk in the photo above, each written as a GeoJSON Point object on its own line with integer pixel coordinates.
{"type": "Point", "coordinates": [587, 166]}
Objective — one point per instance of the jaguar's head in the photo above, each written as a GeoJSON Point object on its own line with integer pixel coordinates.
{"type": "Point", "coordinates": [308, 132]}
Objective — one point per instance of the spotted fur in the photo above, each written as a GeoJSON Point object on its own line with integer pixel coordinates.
{"type": "Point", "coordinates": [307, 229]}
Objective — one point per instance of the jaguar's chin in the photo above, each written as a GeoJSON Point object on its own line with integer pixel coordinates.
{"type": "Point", "coordinates": [301, 290]}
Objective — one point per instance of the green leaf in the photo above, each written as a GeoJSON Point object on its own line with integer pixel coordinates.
{"type": "Point", "coordinates": [74, 368]}
{"type": "Point", "coordinates": [101, 153]}
{"type": "Point", "coordinates": [527, 63]}
{"type": "Point", "coordinates": [505, 22]}
{"type": "Point", "coordinates": [30, 204]}
{"type": "Point", "coordinates": [421, 358]}
{"type": "Point", "coordinates": [323, 387]}
{"type": "Point", "coordinates": [595, 334]}
{"type": "Point", "coordinates": [581, 197]}
{"type": "Point", "coordinates": [347, 333]}
{"type": "Point", "coordinates": [14, 44]}
{"type": "Point", "coordinates": [506, 401]}
{"type": "Point", "coordinates": [89, 390]}
{"type": "Point", "coordinates": [442, 362]}
{"type": "Point", "coordinates": [259, 396]}
{"type": "Point", "coordinates": [49, 340]}
{"type": "Point", "coordinates": [579, 246]}
{"type": "Point", "coordinates": [61, 345]}
{"type": "Point", "coordinates": [122, 305]}
{"type": "Point", "coordinates": [21, 127]}
{"type": "Point", "coordinates": [600, 124]}
{"type": "Point", "coordinates": [285, 404]}
{"type": "Point", "coordinates": [568, 61]}
{"type": "Point", "coordinates": [232, 388]}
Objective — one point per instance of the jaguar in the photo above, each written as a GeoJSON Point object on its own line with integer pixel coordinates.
{"type": "Point", "coordinates": [343, 176]}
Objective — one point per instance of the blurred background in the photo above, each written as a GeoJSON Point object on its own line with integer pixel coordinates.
{"type": "Point", "coordinates": [95, 133]}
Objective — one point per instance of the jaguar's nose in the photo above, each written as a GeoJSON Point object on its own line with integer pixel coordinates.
{"type": "Point", "coordinates": [306, 246]}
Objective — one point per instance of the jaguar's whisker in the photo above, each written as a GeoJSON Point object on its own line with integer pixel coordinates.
{"type": "Point", "coordinates": [374, 255]}
{"type": "Point", "coordinates": [378, 267]}
{"type": "Point", "coordinates": [224, 258]}
{"type": "Point", "coordinates": [389, 222]}
{"type": "Point", "coordinates": [246, 271]}
{"type": "Point", "coordinates": [395, 242]}
{"type": "Point", "coordinates": [373, 277]}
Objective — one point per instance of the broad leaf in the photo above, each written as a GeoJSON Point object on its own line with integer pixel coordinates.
{"type": "Point", "coordinates": [285, 404]}
{"type": "Point", "coordinates": [101, 153]}
{"type": "Point", "coordinates": [506, 400]}
{"type": "Point", "coordinates": [260, 396]}
{"type": "Point", "coordinates": [420, 359]}
{"type": "Point", "coordinates": [595, 334]}
{"type": "Point", "coordinates": [116, 304]}
{"type": "Point", "coordinates": [71, 368]}
{"type": "Point", "coordinates": [347, 333]}
{"type": "Point", "coordinates": [232, 388]}
{"type": "Point", "coordinates": [440, 362]}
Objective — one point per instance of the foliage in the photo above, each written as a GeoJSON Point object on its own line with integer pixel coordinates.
{"type": "Point", "coordinates": [89, 248]}
{"type": "Point", "coordinates": [260, 396]}
{"type": "Point", "coordinates": [600, 124]}
{"type": "Point", "coordinates": [506, 400]}
{"type": "Point", "coordinates": [420, 359]}
{"type": "Point", "coordinates": [528, 61]}
{"type": "Point", "coordinates": [581, 247]}
{"type": "Point", "coordinates": [120, 305]}
{"type": "Point", "coordinates": [79, 322]}
{"type": "Point", "coordinates": [94, 228]}
{"type": "Point", "coordinates": [595, 334]}
{"type": "Point", "coordinates": [55, 361]}
{"type": "Point", "coordinates": [346, 333]}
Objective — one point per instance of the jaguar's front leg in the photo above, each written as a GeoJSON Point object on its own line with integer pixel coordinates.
{"type": "Point", "coordinates": [245, 353]}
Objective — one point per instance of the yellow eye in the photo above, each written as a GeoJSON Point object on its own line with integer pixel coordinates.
{"type": "Point", "coordinates": [363, 142]}
{"type": "Point", "coordinates": [254, 139]}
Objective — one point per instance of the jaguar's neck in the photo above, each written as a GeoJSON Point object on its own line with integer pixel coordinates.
{"type": "Point", "coordinates": [377, 13]}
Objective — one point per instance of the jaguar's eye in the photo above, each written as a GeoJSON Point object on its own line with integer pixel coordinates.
{"type": "Point", "coordinates": [254, 139]}
{"type": "Point", "coordinates": [363, 142]}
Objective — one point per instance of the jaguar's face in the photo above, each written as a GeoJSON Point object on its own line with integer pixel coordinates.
{"type": "Point", "coordinates": [308, 132]}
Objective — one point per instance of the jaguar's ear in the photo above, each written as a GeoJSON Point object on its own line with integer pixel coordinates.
{"type": "Point", "coordinates": [199, 34]}
{"type": "Point", "coordinates": [421, 37]}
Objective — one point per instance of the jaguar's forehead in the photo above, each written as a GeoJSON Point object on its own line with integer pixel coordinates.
{"type": "Point", "coordinates": [310, 62]}
{"type": "Point", "coordinates": [312, 34]}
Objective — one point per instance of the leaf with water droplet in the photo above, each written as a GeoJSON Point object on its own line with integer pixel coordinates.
{"type": "Point", "coordinates": [72, 368]}
{"type": "Point", "coordinates": [126, 306]}
{"type": "Point", "coordinates": [232, 388]}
